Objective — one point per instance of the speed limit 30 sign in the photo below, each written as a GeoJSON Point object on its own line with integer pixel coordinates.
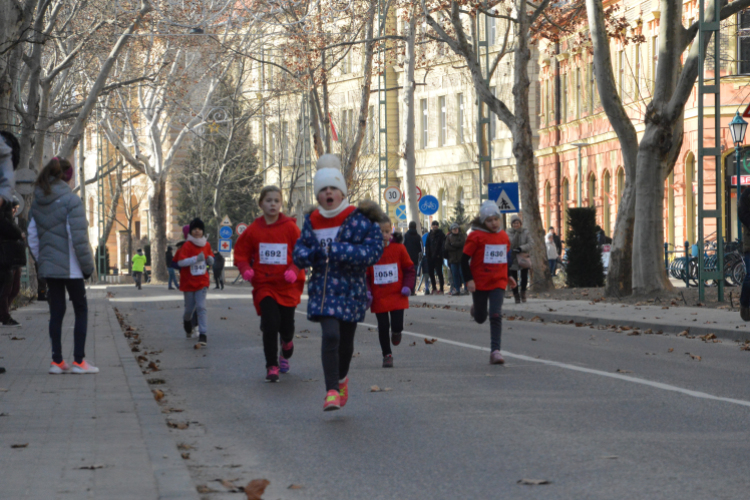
{"type": "Point", "coordinates": [392, 195]}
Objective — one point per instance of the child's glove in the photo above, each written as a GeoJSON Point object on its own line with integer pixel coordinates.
{"type": "Point", "coordinates": [200, 257]}
{"type": "Point", "coordinates": [406, 291]}
{"type": "Point", "coordinates": [369, 299]}
{"type": "Point", "coordinates": [248, 275]}
{"type": "Point", "coordinates": [290, 276]}
{"type": "Point", "coordinates": [210, 261]}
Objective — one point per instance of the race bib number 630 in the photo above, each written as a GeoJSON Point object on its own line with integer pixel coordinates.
{"type": "Point", "coordinates": [496, 254]}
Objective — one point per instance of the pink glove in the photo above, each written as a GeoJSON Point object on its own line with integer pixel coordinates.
{"type": "Point", "coordinates": [369, 299]}
{"type": "Point", "coordinates": [406, 291]}
{"type": "Point", "coordinates": [290, 276]}
{"type": "Point", "coordinates": [248, 275]}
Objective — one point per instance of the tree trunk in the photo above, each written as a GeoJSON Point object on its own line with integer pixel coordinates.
{"type": "Point", "coordinates": [157, 203]}
{"type": "Point", "coordinates": [408, 158]}
{"type": "Point", "coordinates": [523, 150]}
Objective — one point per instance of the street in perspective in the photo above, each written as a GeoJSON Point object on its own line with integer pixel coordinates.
{"type": "Point", "coordinates": [374, 249]}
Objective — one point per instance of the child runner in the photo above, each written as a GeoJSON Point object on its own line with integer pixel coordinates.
{"type": "Point", "coordinates": [263, 255]}
{"type": "Point", "coordinates": [389, 283]}
{"type": "Point", "coordinates": [485, 265]}
{"type": "Point", "coordinates": [339, 242]}
{"type": "Point", "coordinates": [193, 257]}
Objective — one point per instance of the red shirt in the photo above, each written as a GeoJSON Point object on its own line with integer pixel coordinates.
{"type": "Point", "coordinates": [268, 248]}
{"type": "Point", "coordinates": [489, 258]}
{"type": "Point", "coordinates": [326, 229]}
{"type": "Point", "coordinates": [386, 279]}
{"type": "Point", "coordinates": [195, 277]}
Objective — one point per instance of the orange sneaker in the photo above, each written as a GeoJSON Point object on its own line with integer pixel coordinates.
{"type": "Point", "coordinates": [84, 367]}
{"type": "Point", "coordinates": [59, 368]}
{"type": "Point", "coordinates": [344, 392]}
{"type": "Point", "coordinates": [333, 401]}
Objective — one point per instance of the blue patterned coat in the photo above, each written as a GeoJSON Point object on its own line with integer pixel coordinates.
{"type": "Point", "coordinates": [337, 286]}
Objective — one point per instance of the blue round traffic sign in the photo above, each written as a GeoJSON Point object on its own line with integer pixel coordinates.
{"type": "Point", "coordinates": [429, 205]}
{"type": "Point", "coordinates": [225, 232]}
{"type": "Point", "coordinates": [401, 212]}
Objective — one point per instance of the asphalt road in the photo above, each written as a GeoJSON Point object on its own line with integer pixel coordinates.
{"type": "Point", "coordinates": [665, 426]}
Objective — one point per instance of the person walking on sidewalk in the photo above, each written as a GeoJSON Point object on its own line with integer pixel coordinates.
{"type": "Point", "coordinates": [485, 267]}
{"type": "Point", "coordinates": [424, 265]}
{"type": "Point", "coordinates": [263, 255]}
{"type": "Point", "coordinates": [413, 244]}
{"type": "Point", "coordinates": [59, 240]}
{"type": "Point", "coordinates": [193, 257]}
{"type": "Point", "coordinates": [549, 243]}
{"type": "Point", "coordinates": [389, 283]}
{"type": "Point", "coordinates": [139, 266]}
{"type": "Point", "coordinates": [218, 269]}
{"type": "Point", "coordinates": [339, 242]}
{"type": "Point", "coordinates": [434, 250]}
{"type": "Point", "coordinates": [170, 268]}
{"type": "Point", "coordinates": [10, 277]}
{"type": "Point", "coordinates": [454, 247]}
{"type": "Point", "coordinates": [744, 216]}
{"type": "Point", "coordinates": [520, 242]}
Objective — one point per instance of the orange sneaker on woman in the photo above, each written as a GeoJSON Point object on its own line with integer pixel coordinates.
{"type": "Point", "coordinates": [333, 401]}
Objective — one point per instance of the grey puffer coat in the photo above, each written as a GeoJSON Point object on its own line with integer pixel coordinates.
{"type": "Point", "coordinates": [58, 234]}
{"type": "Point", "coordinates": [518, 239]}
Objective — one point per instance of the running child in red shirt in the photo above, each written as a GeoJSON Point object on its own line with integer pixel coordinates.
{"type": "Point", "coordinates": [263, 254]}
{"type": "Point", "coordinates": [390, 282]}
{"type": "Point", "coordinates": [485, 264]}
{"type": "Point", "coordinates": [193, 259]}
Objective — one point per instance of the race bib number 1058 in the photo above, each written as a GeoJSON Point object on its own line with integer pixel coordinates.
{"type": "Point", "coordinates": [273, 253]}
{"type": "Point", "coordinates": [385, 274]}
{"type": "Point", "coordinates": [496, 254]}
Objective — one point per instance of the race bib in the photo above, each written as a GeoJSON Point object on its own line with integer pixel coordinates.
{"type": "Point", "coordinates": [273, 253]}
{"type": "Point", "coordinates": [386, 274]}
{"type": "Point", "coordinates": [326, 236]}
{"type": "Point", "coordinates": [496, 254]}
{"type": "Point", "coordinates": [198, 269]}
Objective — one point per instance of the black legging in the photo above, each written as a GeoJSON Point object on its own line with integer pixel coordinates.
{"type": "Point", "coordinates": [524, 281]}
{"type": "Point", "coordinates": [436, 267]}
{"type": "Point", "coordinates": [396, 324]}
{"type": "Point", "coordinates": [275, 321]}
{"type": "Point", "coordinates": [337, 350]}
{"type": "Point", "coordinates": [56, 298]}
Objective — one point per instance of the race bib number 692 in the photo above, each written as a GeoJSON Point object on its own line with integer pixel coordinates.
{"type": "Point", "coordinates": [273, 253]}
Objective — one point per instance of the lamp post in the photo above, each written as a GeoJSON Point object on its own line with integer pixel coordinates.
{"type": "Point", "coordinates": [738, 127]}
{"type": "Point", "coordinates": [579, 145]}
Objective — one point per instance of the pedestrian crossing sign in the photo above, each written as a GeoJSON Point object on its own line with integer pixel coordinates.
{"type": "Point", "coordinates": [505, 194]}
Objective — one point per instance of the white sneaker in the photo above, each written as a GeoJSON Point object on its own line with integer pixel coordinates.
{"type": "Point", "coordinates": [59, 368]}
{"type": "Point", "coordinates": [84, 367]}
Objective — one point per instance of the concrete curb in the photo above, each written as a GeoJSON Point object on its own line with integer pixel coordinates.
{"type": "Point", "coordinates": [171, 474]}
{"type": "Point", "coordinates": [734, 334]}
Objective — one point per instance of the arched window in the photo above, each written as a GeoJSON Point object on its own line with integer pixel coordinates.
{"type": "Point", "coordinates": [547, 205]}
{"type": "Point", "coordinates": [460, 196]}
{"type": "Point", "coordinates": [592, 191]}
{"type": "Point", "coordinates": [620, 184]}
{"type": "Point", "coordinates": [565, 201]}
{"type": "Point", "coordinates": [607, 201]}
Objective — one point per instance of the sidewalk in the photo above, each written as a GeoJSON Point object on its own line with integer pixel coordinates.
{"type": "Point", "coordinates": [82, 436]}
{"type": "Point", "coordinates": [669, 318]}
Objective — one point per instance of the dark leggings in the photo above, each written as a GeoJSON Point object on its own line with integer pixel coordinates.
{"type": "Point", "coordinates": [275, 320]}
{"type": "Point", "coordinates": [521, 284]}
{"type": "Point", "coordinates": [10, 285]}
{"type": "Point", "coordinates": [495, 298]}
{"type": "Point", "coordinates": [337, 350]}
{"type": "Point", "coordinates": [384, 327]}
{"type": "Point", "coordinates": [437, 267]}
{"type": "Point", "coordinates": [56, 298]}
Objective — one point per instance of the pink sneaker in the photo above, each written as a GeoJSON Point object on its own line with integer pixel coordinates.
{"type": "Point", "coordinates": [344, 392]}
{"type": "Point", "coordinates": [273, 374]}
{"type": "Point", "coordinates": [287, 349]}
{"type": "Point", "coordinates": [496, 358]}
{"type": "Point", "coordinates": [59, 368]}
{"type": "Point", "coordinates": [332, 402]}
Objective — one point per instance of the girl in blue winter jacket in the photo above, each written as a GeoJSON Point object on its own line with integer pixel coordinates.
{"type": "Point", "coordinates": [339, 242]}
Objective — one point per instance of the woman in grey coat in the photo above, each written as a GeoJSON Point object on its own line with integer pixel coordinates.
{"type": "Point", "coordinates": [520, 241]}
{"type": "Point", "coordinates": [59, 241]}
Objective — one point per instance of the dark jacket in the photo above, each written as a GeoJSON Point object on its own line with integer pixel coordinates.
{"type": "Point", "coordinates": [558, 244]}
{"type": "Point", "coordinates": [413, 244]}
{"type": "Point", "coordinates": [454, 247]}
{"type": "Point", "coordinates": [435, 246]}
{"type": "Point", "coordinates": [219, 261]}
{"type": "Point", "coordinates": [744, 215]}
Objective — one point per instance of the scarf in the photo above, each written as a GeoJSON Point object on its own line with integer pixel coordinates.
{"type": "Point", "coordinates": [330, 214]}
{"type": "Point", "coordinates": [199, 242]}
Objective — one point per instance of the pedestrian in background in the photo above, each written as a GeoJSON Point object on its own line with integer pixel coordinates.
{"type": "Point", "coordinates": [454, 247]}
{"type": "Point", "coordinates": [434, 249]}
{"type": "Point", "coordinates": [485, 265]}
{"type": "Point", "coordinates": [552, 255]}
{"type": "Point", "coordinates": [389, 283]}
{"type": "Point", "coordinates": [171, 269]}
{"type": "Point", "coordinates": [263, 255]}
{"type": "Point", "coordinates": [424, 264]}
{"type": "Point", "coordinates": [59, 241]}
{"type": "Point", "coordinates": [744, 216]}
{"type": "Point", "coordinates": [10, 282]}
{"type": "Point", "coordinates": [520, 242]}
{"type": "Point", "coordinates": [413, 245]}
{"type": "Point", "coordinates": [218, 269]}
{"type": "Point", "coordinates": [139, 266]}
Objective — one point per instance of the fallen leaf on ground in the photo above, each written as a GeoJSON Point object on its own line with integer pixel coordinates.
{"type": "Point", "coordinates": [178, 425]}
{"type": "Point", "coordinates": [17, 338]}
{"type": "Point", "coordinates": [532, 482]}
{"type": "Point", "coordinates": [197, 346]}
{"type": "Point", "coordinates": [310, 380]}
{"type": "Point", "coordinates": [295, 487]}
{"type": "Point", "coordinates": [413, 344]}
{"type": "Point", "coordinates": [223, 318]}
{"type": "Point", "coordinates": [230, 485]}
{"type": "Point", "coordinates": [707, 337]}
{"type": "Point", "coordinates": [24, 445]}
{"type": "Point", "coordinates": [185, 455]}
{"type": "Point", "coordinates": [301, 336]}
{"type": "Point", "coordinates": [153, 366]}
{"type": "Point", "coordinates": [693, 356]}
{"type": "Point", "coordinates": [376, 388]}
{"type": "Point", "coordinates": [255, 488]}
{"type": "Point", "coordinates": [683, 333]}
{"type": "Point", "coordinates": [158, 394]}
{"type": "Point", "coordinates": [634, 332]}
{"type": "Point", "coordinates": [202, 488]}
{"type": "Point", "coordinates": [184, 446]}
{"type": "Point", "coordinates": [623, 371]}
{"type": "Point", "coordinates": [671, 349]}
{"type": "Point", "coordinates": [536, 319]}
{"type": "Point", "coordinates": [430, 341]}
{"type": "Point", "coordinates": [91, 467]}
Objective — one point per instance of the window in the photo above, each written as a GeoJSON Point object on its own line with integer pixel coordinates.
{"type": "Point", "coordinates": [425, 125]}
{"type": "Point", "coordinates": [590, 89]}
{"type": "Point", "coordinates": [460, 127]}
{"type": "Point", "coordinates": [606, 201]}
{"type": "Point", "coordinates": [592, 191]}
{"type": "Point", "coordinates": [443, 121]}
{"type": "Point", "coordinates": [491, 34]}
{"type": "Point", "coordinates": [284, 142]}
{"type": "Point", "coordinates": [137, 230]}
{"type": "Point", "coordinates": [346, 63]}
{"type": "Point", "coordinates": [743, 43]}
{"type": "Point", "coordinates": [566, 199]}
{"type": "Point", "coordinates": [548, 205]}
{"type": "Point", "coordinates": [491, 116]}
{"type": "Point", "coordinates": [548, 102]}
{"type": "Point", "coordinates": [564, 103]}
{"type": "Point", "coordinates": [579, 93]}
{"type": "Point", "coordinates": [620, 184]}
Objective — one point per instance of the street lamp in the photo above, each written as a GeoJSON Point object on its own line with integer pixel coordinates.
{"type": "Point", "coordinates": [738, 127]}
{"type": "Point", "coordinates": [579, 145]}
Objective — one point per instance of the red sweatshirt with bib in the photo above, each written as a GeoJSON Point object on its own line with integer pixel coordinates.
{"type": "Point", "coordinates": [194, 277]}
{"type": "Point", "coordinates": [489, 258]}
{"type": "Point", "coordinates": [385, 279]}
{"type": "Point", "coordinates": [267, 249]}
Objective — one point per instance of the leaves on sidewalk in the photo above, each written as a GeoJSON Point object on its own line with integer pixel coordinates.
{"type": "Point", "coordinates": [255, 489]}
{"type": "Point", "coordinates": [158, 394]}
{"type": "Point", "coordinates": [178, 425]}
{"type": "Point", "coordinates": [228, 484]}
{"type": "Point", "coordinates": [92, 467]}
{"type": "Point", "coordinates": [375, 388]}
{"type": "Point", "coordinates": [619, 370]}
{"type": "Point", "coordinates": [694, 356]}
{"type": "Point", "coordinates": [295, 487]}
{"type": "Point", "coordinates": [412, 344]}
{"type": "Point", "coordinates": [185, 455]}
{"type": "Point", "coordinates": [671, 349]}
{"type": "Point", "coordinates": [155, 381]}
{"type": "Point", "coordinates": [532, 482]}
{"type": "Point", "coordinates": [17, 338]}
{"type": "Point", "coordinates": [430, 341]}
{"type": "Point", "coordinates": [24, 445]}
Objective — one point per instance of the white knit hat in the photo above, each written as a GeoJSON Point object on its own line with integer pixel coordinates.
{"type": "Point", "coordinates": [488, 209]}
{"type": "Point", "coordinates": [329, 174]}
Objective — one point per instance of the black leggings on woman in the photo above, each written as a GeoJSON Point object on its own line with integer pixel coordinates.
{"type": "Point", "coordinates": [337, 350]}
{"type": "Point", "coordinates": [396, 324]}
{"type": "Point", "coordinates": [521, 284]}
{"type": "Point", "coordinates": [275, 320]}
